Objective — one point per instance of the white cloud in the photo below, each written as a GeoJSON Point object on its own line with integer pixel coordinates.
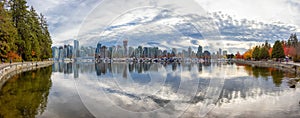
{"type": "Point", "coordinates": [66, 16]}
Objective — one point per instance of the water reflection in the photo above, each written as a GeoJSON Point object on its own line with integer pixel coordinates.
{"type": "Point", "coordinates": [239, 76]}
{"type": "Point", "coordinates": [268, 73]}
{"type": "Point", "coordinates": [141, 87]}
{"type": "Point", "coordinates": [242, 80]}
{"type": "Point", "coordinates": [26, 94]}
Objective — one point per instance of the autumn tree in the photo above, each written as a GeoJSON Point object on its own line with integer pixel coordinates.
{"type": "Point", "coordinates": [248, 54]}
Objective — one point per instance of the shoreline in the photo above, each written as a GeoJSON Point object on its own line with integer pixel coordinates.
{"type": "Point", "coordinates": [8, 70]}
{"type": "Point", "coordinates": [283, 66]}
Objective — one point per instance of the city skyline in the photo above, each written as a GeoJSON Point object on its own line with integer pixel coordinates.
{"type": "Point", "coordinates": [117, 51]}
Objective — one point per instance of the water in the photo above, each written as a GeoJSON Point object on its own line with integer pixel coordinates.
{"type": "Point", "coordinates": [150, 90]}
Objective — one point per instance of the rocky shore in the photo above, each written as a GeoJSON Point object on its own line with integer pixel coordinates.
{"type": "Point", "coordinates": [8, 70]}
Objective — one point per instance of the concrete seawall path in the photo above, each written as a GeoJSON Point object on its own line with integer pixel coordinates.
{"type": "Point", "coordinates": [8, 70]}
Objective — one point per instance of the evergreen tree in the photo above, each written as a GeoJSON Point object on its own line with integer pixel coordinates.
{"type": "Point", "coordinates": [8, 33]}
{"type": "Point", "coordinates": [255, 53]}
{"type": "Point", "coordinates": [45, 41]}
{"type": "Point", "coordinates": [35, 34]}
{"type": "Point", "coordinates": [267, 45]}
{"type": "Point", "coordinates": [264, 53]}
{"type": "Point", "coordinates": [278, 51]}
{"type": "Point", "coordinates": [20, 18]}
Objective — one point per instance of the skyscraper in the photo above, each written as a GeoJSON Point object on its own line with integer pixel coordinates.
{"type": "Point", "coordinates": [76, 49]}
{"type": "Point", "coordinates": [190, 52]}
{"type": "Point", "coordinates": [55, 53]}
{"type": "Point", "coordinates": [199, 52]}
{"type": "Point", "coordinates": [125, 44]}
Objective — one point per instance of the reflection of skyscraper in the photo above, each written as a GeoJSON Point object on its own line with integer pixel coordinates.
{"type": "Point", "coordinates": [125, 71]}
{"type": "Point", "coordinates": [199, 67]}
{"type": "Point", "coordinates": [76, 67]}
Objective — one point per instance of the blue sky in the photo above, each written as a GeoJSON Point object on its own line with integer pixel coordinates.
{"type": "Point", "coordinates": [65, 17]}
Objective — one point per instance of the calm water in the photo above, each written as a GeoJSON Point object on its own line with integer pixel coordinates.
{"type": "Point", "coordinates": [71, 90]}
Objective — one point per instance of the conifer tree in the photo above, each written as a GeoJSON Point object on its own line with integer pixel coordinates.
{"type": "Point", "coordinates": [278, 51]}
{"type": "Point", "coordinates": [8, 33]}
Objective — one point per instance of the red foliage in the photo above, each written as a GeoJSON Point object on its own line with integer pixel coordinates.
{"type": "Point", "coordinates": [239, 56]}
{"type": "Point", "coordinates": [291, 52]}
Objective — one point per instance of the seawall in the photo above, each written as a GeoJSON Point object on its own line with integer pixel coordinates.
{"type": "Point", "coordinates": [8, 70]}
{"type": "Point", "coordinates": [284, 66]}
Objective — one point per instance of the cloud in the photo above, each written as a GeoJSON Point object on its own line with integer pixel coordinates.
{"type": "Point", "coordinates": [64, 16]}
{"type": "Point", "coordinates": [247, 21]}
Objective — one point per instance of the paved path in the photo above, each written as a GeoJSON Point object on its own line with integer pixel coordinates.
{"type": "Point", "coordinates": [293, 63]}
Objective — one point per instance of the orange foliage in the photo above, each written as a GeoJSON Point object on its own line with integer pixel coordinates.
{"type": "Point", "coordinates": [270, 52]}
{"type": "Point", "coordinates": [14, 56]}
{"type": "Point", "coordinates": [33, 53]}
{"type": "Point", "coordinates": [248, 54]}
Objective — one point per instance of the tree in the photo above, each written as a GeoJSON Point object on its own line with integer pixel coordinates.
{"type": "Point", "coordinates": [238, 55]}
{"type": "Point", "coordinates": [248, 54]}
{"type": "Point", "coordinates": [20, 19]}
{"type": "Point", "coordinates": [263, 53]}
{"type": "Point", "coordinates": [267, 45]}
{"type": "Point", "coordinates": [8, 33]}
{"type": "Point", "coordinates": [255, 53]}
{"type": "Point", "coordinates": [34, 41]}
{"type": "Point", "coordinates": [46, 41]}
{"type": "Point", "coordinates": [278, 51]}
{"type": "Point", "coordinates": [36, 34]}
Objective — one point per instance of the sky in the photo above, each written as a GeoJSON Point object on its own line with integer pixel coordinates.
{"type": "Point", "coordinates": [66, 17]}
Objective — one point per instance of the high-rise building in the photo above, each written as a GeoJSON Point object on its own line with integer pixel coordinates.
{"type": "Point", "coordinates": [174, 52]}
{"type": "Point", "coordinates": [190, 52]}
{"type": "Point", "coordinates": [131, 51]}
{"type": "Point", "coordinates": [125, 44]}
{"type": "Point", "coordinates": [76, 49]}
{"type": "Point", "coordinates": [61, 52]}
{"type": "Point", "coordinates": [55, 53]}
{"type": "Point", "coordinates": [199, 51]}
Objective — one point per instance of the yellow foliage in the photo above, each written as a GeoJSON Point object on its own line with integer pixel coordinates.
{"type": "Point", "coordinates": [248, 54]}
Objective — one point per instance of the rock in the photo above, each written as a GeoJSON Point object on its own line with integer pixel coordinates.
{"type": "Point", "coordinates": [292, 83]}
{"type": "Point", "coordinates": [293, 86]}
